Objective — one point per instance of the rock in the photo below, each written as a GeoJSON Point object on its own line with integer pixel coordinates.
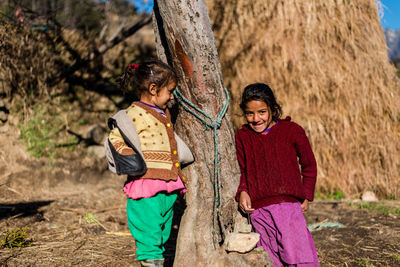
{"type": "Point", "coordinates": [4, 129]}
{"type": "Point", "coordinates": [369, 196]}
{"type": "Point", "coordinates": [3, 116]}
{"type": "Point", "coordinates": [4, 110]}
{"type": "Point", "coordinates": [3, 104]}
{"type": "Point", "coordinates": [245, 228]}
{"type": "Point", "coordinates": [97, 151]}
{"type": "Point", "coordinates": [13, 120]}
{"type": "Point", "coordinates": [95, 134]}
{"type": "Point", "coordinates": [240, 242]}
{"type": "Point", "coordinates": [87, 161]}
{"type": "Point", "coordinates": [241, 224]}
{"type": "Point", "coordinates": [255, 258]}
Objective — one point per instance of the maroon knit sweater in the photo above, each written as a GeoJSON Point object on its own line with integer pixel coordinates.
{"type": "Point", "coordinates": [269, 164]}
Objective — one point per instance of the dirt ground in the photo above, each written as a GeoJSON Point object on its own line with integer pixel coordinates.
{"type": "Point", "coordinates": [56, 203]}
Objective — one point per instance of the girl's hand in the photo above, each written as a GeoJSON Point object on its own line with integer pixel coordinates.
{"type": "Point", "coordinates": [304, 205]}
{"type": "Point", "coordinates": [245, 202]}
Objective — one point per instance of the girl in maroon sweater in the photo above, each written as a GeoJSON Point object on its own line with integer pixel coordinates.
{"type": "Point", "coordinates": [273, 189]}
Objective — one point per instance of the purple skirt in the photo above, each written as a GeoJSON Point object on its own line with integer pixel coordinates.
{"type": "Point", "coordinates": [284, 234]}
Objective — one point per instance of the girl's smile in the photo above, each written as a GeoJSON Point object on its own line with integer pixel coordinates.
{"type": "Point", "coordinates": [164, 95]}
{"type": "Point", "coordinates": [258, 115]}
{"type": "Point", "coordinates": [159, 98]}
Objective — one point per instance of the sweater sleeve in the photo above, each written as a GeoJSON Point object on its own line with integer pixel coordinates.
{"type": "Point", "coordinates": [119, 144]}
{"type": "Point", "coordinates": [242, 164]}
{"type": "Point", "coordinates": [307, 162]}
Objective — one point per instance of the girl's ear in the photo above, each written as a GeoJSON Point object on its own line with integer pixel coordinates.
{"type": "Point", "coordinates": [153, 89]}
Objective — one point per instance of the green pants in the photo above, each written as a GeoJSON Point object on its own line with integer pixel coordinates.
{"type": "Point", "coordinates": [150, 221]}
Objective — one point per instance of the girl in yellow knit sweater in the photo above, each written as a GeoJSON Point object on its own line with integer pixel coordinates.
{"type": "Point", "coordinates": [152, 195]}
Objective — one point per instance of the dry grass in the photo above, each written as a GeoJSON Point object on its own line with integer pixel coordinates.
{"type": "Point", "coordinates": [29, 59]}
{"type": "Point", "coordinates": [25, 61]}
{"type": "Point", "coordinates": [327, 62]}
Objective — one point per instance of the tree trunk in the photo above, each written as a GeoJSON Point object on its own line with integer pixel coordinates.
{"type": "Point", "coordinates": [185, 40]}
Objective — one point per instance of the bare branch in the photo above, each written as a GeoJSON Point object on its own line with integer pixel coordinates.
{"type": "Point", "coordinates": [119, 37]}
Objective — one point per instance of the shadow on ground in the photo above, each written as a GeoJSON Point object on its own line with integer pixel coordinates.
{"type": "Point", "coordinates": [22, 209]}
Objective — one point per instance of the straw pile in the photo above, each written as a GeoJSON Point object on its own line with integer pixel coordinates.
{"type": "Point", "coordinates": [29, 58]}
{"type": "Point", "coordinates": [327, 62]}
{"type": "Point", "coordinates": [25, 62]}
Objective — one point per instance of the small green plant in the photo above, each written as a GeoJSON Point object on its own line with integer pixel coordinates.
{"type": "Point", "coordinates": [16, 238]}
{"type": "Point", "coordinates": [396, 256]}
{"type": "Point", "coordinates": [391, 197]}
{"type": "Point", "coordinates": [90, 218]}
{"type": "Point", "coordinates": [336, 195]}
{"type": "Point", "coordinates": [345, 250]}
{"type": "Point", "coordinates": [380, 207]}
{"type": "Point", "coordinates": [44, 132]}
{"type": "Point", "coordinates": [363, 262]}
{"type": "Point", "coordinates": [38, 134]}
{"type": "Point", "coordinates": [83, 121]}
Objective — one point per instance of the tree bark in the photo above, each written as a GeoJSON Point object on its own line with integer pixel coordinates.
{"type": "Point", "coordinates": [185, 40]}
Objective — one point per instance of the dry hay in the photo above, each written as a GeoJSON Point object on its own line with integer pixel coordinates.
{"type": "Point", "coordinates": [25, 62]}
{"type": "Point", "coordinates": [29, 59]}
{"type": "Point", "coordinates": [327, 62]}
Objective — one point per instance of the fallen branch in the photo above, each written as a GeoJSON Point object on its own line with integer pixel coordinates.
{"type": "Point", "coordinates": [119, 233]}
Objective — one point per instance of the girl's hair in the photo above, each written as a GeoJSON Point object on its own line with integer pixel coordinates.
{"type": "Point", "coordinates": [140, 76]}
{"type": "Point", "coordinates": [261, 92]}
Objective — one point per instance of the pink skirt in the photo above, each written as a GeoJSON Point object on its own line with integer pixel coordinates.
{"type": "Point", "coordinates": [145, 188]}
{"type": "Point", "coordinates": [284, 234]}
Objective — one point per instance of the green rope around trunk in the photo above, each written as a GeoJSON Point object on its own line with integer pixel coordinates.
{"type": "Point", "coordinates": [215, 125]}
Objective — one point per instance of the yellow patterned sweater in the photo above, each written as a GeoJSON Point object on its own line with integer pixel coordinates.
{"type": "Point", "coordinates": [157, 140]}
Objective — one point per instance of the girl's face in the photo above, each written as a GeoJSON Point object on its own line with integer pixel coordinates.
{"type": "Point", "coordinates": [163, 96]}
{"type": "Point", "coordinates": [258, 115]}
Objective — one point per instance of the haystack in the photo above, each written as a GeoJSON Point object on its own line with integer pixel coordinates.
{"type": "Point", "coordinates": [327, 62]}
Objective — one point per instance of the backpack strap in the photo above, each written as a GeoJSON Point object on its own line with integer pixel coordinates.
{"type": "Point", "coordinates": [127, 129]}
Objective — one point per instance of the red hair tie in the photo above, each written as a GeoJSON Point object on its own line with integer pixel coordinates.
{"type": "Point", "coordinates": [133, 66]}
